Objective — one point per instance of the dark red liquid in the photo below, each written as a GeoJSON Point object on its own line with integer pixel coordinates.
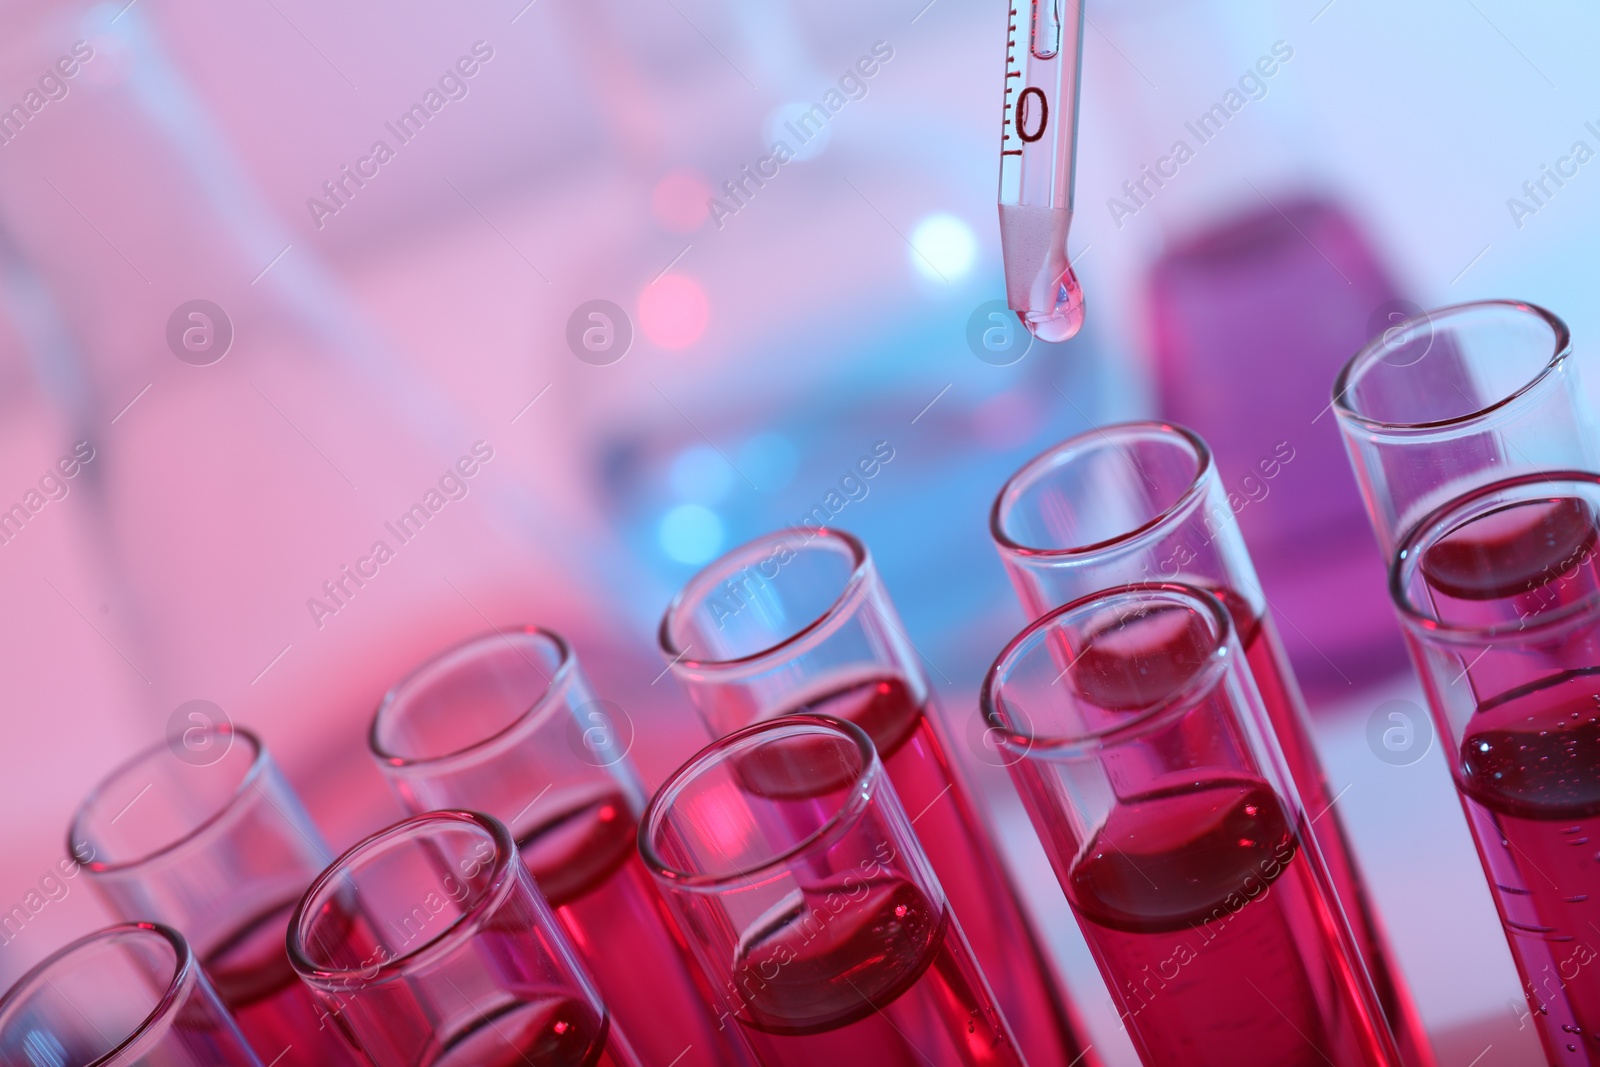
{"type": "Point", "coordinates": [277, 1013]}
{"type": "Point", "coordinates": [947, 824]}
{"type": "Point", "coordinates": [544, 1031]}
{"type": "Point", "coordinates": [883, 979]}
{"type": "Point", "coordinates": [1528, 767]}
{"type": "Point", "coordinates": [1213, 936]}
{"type": "Point", "coordinates": [1511, 551]}
{"type": "Point", "coordinates": [585, 862]}
{"type": "Point", "coordinates": [1168, 668]}
{"type": "Point", "coordinates": [1530, 783]}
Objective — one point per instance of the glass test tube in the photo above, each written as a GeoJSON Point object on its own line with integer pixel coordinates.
{"type": "Point", "coordinates": [1499, 595]}
{"type": "Point", "coordinates": [799, 621]}
{"type": "Point", "coordinates": [507, 724]}
{"type": "Point", "coordinates": [811, 907]}
{"type": "Point", "coordinates": [212, 840]}
{"type": "Point", "coordinates": [430, 947]}
{"type": "Point", "coordinates": [1455, 398]}
{"type": "Point", "coordinates": [1133, 732]}
{"type": "Point", "coordinates": [128, 996]}
{"type": "Point", "coordinates": [1143, 501]}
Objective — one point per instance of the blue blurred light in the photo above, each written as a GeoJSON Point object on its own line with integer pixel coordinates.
{"type": "Point", "coordinates": [690, 533]}
{"type": "Point", "coordinates": [770, 460]}
{"type": "Point", "coordinates": [700, 475]}
{"type": "Point", "coordinates": [943, 248]}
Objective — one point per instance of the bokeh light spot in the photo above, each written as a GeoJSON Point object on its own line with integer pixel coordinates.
{"type": "Point", "coordinates": [673, 312]}
{"type": "Point", "coordinates": [679, 200]}
{"type": "Point", "coordinates": [690, 533]}
{"type": "Point", "coordinates": [943, 248]}
{"type": "Point", "coordinates": [770, 460]}
{"type": "Point", "coordinates": [701, 475]}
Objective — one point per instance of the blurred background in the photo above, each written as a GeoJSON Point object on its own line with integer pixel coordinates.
{"type": "Point", "coordinates": [372, 316]}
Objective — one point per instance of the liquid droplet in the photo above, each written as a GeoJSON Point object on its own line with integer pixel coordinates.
{"type": "Point", "coordinates": [1062, 321]}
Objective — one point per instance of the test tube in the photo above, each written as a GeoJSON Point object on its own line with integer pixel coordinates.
{"type": "Point", "coordinates": [210, 839]}
{"type": "Point", "coordinates": [507, 724]}
{"type": "Point", "coordinates": [1455, 398]}
{"type": "Point", "coordinates": [792, 865]}
{"type": "Point", "coordinates": [1143, 501]}
{"type": "Point", "coordinates": [1498, 592]}
{"type": "Point", "coordinates": [128, 996]}
{"type": "Point", "coordinates": [799, 621]}
{"type": "Point", "coordinates": [1038, 149]}
{"type": "Point", "coordinates": [429, 946]}
{"type": "Point", "coordinates": [1134, 733]}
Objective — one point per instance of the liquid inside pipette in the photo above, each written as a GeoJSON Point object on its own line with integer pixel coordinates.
{"type": "Point", "coordinates": [1062, 321]}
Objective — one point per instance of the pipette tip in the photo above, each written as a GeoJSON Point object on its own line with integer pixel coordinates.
{"type": "Point", "coordinates": [1064, 320]}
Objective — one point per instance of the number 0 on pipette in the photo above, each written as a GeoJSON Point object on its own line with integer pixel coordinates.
{"type": "Point", "coordinates": [1038, 143]}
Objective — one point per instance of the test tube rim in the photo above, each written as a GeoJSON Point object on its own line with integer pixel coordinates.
{"type": "Point", "coordinates": [259, 761]}
{"type": "Point", "coordinates": [464, 926]}
{"type": "Point", "coordinates": [807, 636]}
{"type": "Point", "coordinates": [860, 795]}
{"type": "Point", "coordinates": [186, 971]}
{"type": "Point", "coordinates": [1363, 359]}
{"type": "Point", "coordinates": [1449, 515]}
{"type": "Point", "coordinates": [1059, 454]}
{"type": "Point", "coordinates": [1086, 746]}
{"type": "Point", "coordinates": [531, 717]}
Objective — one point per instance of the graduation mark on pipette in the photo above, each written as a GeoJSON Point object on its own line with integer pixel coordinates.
{"type": "Point", "coordinates": [1037, 148]}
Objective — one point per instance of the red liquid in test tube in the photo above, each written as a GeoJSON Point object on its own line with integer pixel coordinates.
{"type": "Point", "coordinates": [428, 946]}
{"type": "Point", "coordinates": [1501, 595]}
{"type": "Point", "coordinates": [1177, 836]}
{"type": "Point", "coordinates": [799, 622]}
{"type": "Point", "coordinates": [784, 850]}
{"type": "Point", "coordinates": [507, 724]}
{"type": "Point", "coordinates": [213, 841]}
{"type": "Point", "coordinates": [1144, 501]}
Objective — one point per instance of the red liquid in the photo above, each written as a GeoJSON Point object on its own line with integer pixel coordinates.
{"type": "Point", "coordinates": [947, 825]}
{"type": "Point", "coordinates": [1529, 762]}
{"type": "Point", "coordinates": [885, 980]}
{"type": "Point", "coordinates": [585, 862]}
{"type": "Point", "coordinates": [551, 1031]}
{"type": "Point", "coordinates": [1211, 933]}
{"type": "Point", "coordinates": [1530, 784]}
{"type": "Point", "coordinates": [1263, 650]}
{"type": "Point", "coordinates": [276, 1011]}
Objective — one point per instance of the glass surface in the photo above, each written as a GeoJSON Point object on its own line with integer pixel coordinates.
{"type": "Point", "coordinates": [1141, 502]}
{"type": "Point", "coordinates": [210, 839]}
{"type": "Point", "coordinates": [428, 946]}
{"type": "Point", "coordinates": [1500, 596]}
{"type": "Point", "coordinates": [799, 621]}
{"type": "Point", "coordinates": [1135, 735]}
{"type": "Point", "coordinates": [508, 724]}
{"type": "Point", "coordinates": [1455, 398]}
{"type": "Point", "coordinates": [788, 858]}
{"type": "Point", "coordinates": [128, 996]}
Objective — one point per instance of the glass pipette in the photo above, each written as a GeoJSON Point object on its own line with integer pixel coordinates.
{"type": "Point", "coordinates": [1038, 144]}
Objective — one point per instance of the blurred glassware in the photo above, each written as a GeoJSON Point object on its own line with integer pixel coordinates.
{"type": "Point", "coordinates": [428, 944]}
{"type": "Point", "coordinates": [128, 996]}
{"type": "Point", "coordinates": [1252, 314]}
{"type": "Point", "coordinates": [507, 724]}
